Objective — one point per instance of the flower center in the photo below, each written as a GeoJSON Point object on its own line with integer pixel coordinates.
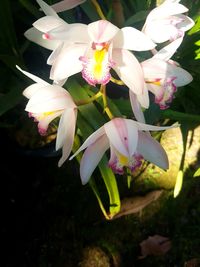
{"type": "Point", "coordinates": [97, 65]}
{"type": "Point", "coordinates": [43, 120]}
{"type": "Point", "coordinates": [167, 89]}
{"type": "Point", "coordinates": [120, 161]}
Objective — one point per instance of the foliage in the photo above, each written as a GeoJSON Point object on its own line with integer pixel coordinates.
{"type": "Point", "coordinates": [17, 17]}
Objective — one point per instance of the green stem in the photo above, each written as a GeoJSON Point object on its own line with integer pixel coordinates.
{"type": "Point", "coordinates": [105, 104]}
{"type": "Point", "coordinates": [118, 82]}
{"type": "Point", "coordinates": [98, 8]}
{"type": "Point", "coordinates": [89, 100]}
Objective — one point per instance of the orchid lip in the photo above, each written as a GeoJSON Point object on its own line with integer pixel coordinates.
{"type": "Point", "coordinates": [96, 68]}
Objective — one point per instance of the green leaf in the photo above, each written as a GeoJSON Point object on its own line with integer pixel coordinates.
{"type": "Point", "coordinates": [197, 173]}
{"type": "Point", "coordinates": [111, 186]}
{"type": "Point", "coordinates": [93, 119]}
{"type": "Point", "coordinates": [175, 115]}
{"type": "Point", "coordinates": [89, 111]}
{"type": "Point", "coordinates": [31, 8]}
{"type": "Point", "coordinates": [139, 16]}
{"type": "Point", "coordinates": [197, 52]}
{"type": "Point", "coordinates": [197, 43]}
{"type": "Point", "coordinates": [196, 27]}
{"type": "Point", "coordinates": [7, 33]}
{"type": "Point", "coordinates": [10, 100]}
{"type": "Point", "coordinates": [93, 185]}
{"type": "Point", "coordinates": [11, 61]}
{"type": "Point", "coordinates": [179, 182]}
{"type": "Point", "coordinates": [90, 10]}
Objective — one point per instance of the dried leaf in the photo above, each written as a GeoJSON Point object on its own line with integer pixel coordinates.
{"type": "Point", "coordinates": [155, 245]}
{"type": "Point", "coordinates": [137, 204]}
{"type": "Point", "coordinates": [192, 263]}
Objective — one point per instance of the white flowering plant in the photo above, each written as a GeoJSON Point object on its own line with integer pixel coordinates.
{"type": "Point", "coordinates": [94, 51]}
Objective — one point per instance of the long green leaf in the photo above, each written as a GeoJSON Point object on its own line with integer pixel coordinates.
{"type": "Point", "coordinates": [111, 186]}
{"type": "Point", "coordinates": [10, 100]}
{"type": "Point", "coordinates": [139, 16]}
{"type": "Point", "coordinates": [94, 119]}
{"type": "Point", "coordinates": [7, 33]}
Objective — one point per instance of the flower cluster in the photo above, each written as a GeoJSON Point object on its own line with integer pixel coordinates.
{"type": "Point", "coordinates": [96, 51]}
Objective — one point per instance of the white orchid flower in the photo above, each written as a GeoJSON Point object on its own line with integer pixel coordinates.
{"type": "Point", "coordinates": [49, 22]}
{"type": "Point", "coordinates": [162, 75]}
{"type": "Point", "coordinates": [129, 144]}
{"type": "Point", "coordinates": [95, 49]}
{"type": "Point", "coordinates": [46, 102]}
{"type": "Point", "coordinates": [167, 22]}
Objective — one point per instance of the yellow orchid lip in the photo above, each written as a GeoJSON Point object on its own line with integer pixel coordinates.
{"type": "Point", "coordinates": [96, 69]}
{"type": "Point", "coordinates": [123, 160]}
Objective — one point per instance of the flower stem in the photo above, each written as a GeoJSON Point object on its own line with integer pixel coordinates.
{"type": "Point", "coordinates": [98, 8]}
{"type": "Point", "coordinates": [89, 100]}
{"type": "Point", "coordinates": [119, 82]}
{"type": "Point", "coordinates": [118, 13]}
{"type": "Point", "coordinates": [105, 104]}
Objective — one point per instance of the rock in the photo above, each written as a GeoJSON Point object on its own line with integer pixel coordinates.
{"type": "Point", "coordinates": [172, 142]}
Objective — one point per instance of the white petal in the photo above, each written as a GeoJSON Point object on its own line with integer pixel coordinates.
{"type": "Point", "coordinates": [65, 134]}
{"type": "Point", "coordinates": [155, 68]}
{"type": "Point", "coordinates": [132, 137]}
{"type": "Point", "coordinates": [68, 63]}
{"type": "Point", "coordinates": [92, 157]}
{"type": "Point", "coordinates": [43, 121]}
{"type": "Point", "coordinates": [47, 9]}
{"type": "Point", "coordinates": [171, 1]}
{"type": "Point", "coordinates": [75, 32]}
{"type": "Point", "coordinates": [136, 107]}
{"type": "Point", "coordinates": [186, 24]}
{"type": "Point", "coordinates": [48, 23]}
{"type": "Point", "coordinates": [32, 89]}
{"type": "Point", "coordinates": [36, 36]}
{"type": "Point", "coordinates": [166, 10]}
{"type": "Point", "coordinates": [144, 98]}
{"type": "Point", "coordinates": [160, 32]}
{"type": "Point", "coordinates": [132, 39]}
{"type": "Point", "coordinates": [129, 70]}
{"type": "Point", "coordinates": [182, 76]}
{"type": "Point", "coordinates": [33, 77]}
{"type": "Point", "coordinates": [54, 54]}
{"type": "Point", "coordinates": [50, 98]}
{"type": "Point", "coordinates": [152, 151]}
{"type": "Point", "coordinates": [157, 90]}
{"type": "Point", "coordinates": [122, 136]}
{"type": "Point", "coordinates": [102, 31]}
{"type": "Point", "coordinates": [66, 5]}
{"type": "Point", "coordinates": [168, 51]}
{"type": "Point", "coordinates": [148, 127]}
{"type": "Point", "coordinates": [60, 82]}
{"type": "Point", "coordinates": [90, 140]}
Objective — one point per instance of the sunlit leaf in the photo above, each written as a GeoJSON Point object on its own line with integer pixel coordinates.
{"type": "Point", "coordinates": [196, 27]}
{"type": "Point", "coordinates": [197, 173]}
{"type": "Point", "coordinates": [179, 182]}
